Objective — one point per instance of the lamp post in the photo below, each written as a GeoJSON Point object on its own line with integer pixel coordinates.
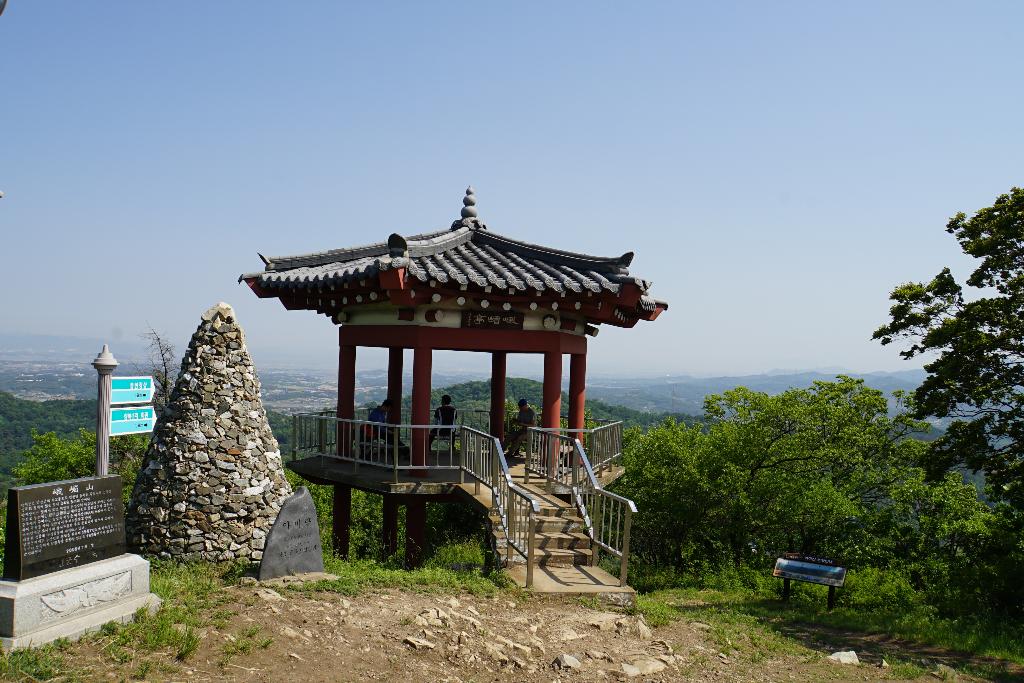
{"type": "Point", "coordinates": [104, 364]}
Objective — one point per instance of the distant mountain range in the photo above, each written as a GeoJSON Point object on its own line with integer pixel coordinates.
{"type": "Point", "coordinates": [685, 394]}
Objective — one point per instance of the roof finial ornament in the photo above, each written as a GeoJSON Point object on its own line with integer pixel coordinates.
{"type": "Point", "coordinates": [469, 213]}
{"type": "Point", "coordinates": [469, 203]}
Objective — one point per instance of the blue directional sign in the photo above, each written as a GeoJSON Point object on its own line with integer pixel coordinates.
{"type": "Point", "coordinates": [134, 420]}
{"type": "Point", "coordinates": [131, 390]}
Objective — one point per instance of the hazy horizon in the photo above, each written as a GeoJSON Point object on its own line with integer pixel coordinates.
{"type": "Point", "coordinates": [776, 169]}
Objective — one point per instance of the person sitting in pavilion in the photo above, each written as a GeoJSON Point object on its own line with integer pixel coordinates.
{"type": "Point", "coordinates": [444, 416]}
{"type": "Point", "coordinates": [525, 418]}
{"type": "Point", "coordinates": [379, 414]}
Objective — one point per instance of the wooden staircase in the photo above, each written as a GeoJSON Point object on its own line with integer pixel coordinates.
{"type": "Point", "coordinates": [562, 551]}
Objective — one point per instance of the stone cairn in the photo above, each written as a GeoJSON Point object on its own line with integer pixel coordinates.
{"type": "Point", "coordinates": [213, 480]}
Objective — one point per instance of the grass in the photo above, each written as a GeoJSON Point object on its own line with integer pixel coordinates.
{"type": "Point", "coordinates": [39, 664]}
{"type": "Point", "coordinates": [759, 624]}
{"type": "Point", "coordinates": [356, 576]}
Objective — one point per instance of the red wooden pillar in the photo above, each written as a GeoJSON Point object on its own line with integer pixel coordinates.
{"type": "Point", "coordinates": [390, 524]}
{"type": "Point", "coordinates": [498, 366]}
{"type": "Point", "coordinates": [395, 384]}
{"type": "Point", "coordinates": [421, 361]}
{"type": "Point", "coordinates": [346, 395]}
{"type": "Point", "coordinates": [551, 417]}
{"type": "Point", "coordinates": [552, 408]}
{"type": "Point", "coordinates": [341, 518]}
{"type": "Point", "coordinates": [415, 531]}
{"type": "Point", "coordinates": [346, 381]}
{"type": "Point", "coordinates": [577, 389]}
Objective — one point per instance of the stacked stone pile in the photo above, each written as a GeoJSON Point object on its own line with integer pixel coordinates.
{"type": "Point", "coordinates": [213, 480]}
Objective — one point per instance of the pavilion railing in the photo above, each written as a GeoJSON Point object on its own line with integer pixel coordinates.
{"type": "Point", "coordinates": [460, 448]}
{"type": "Point", "coordinates": [397, 447]}
{"type": "Point", "coordinates": [484, 460]}
{"type": "Point", "coordinates": [603, 446]}
{"type": "Point", "coordinates": [607, 517]}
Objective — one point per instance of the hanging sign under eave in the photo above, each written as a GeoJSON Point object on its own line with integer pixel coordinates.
{"type": "Point", "coordinates": [134, 420]}
{"type": "Point", "coordinates": [131, 390]}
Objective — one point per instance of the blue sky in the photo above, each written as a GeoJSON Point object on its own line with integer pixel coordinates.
{"type": "Point", "coordinates": [776, 167]}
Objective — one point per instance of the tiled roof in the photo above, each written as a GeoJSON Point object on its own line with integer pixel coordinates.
{"type": "Point", "coordinates": [467, 254]}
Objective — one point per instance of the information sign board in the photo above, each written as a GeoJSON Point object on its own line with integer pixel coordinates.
{"type": "Point", "coordinates": [131, 390]}
{"type": "Point", "coordinates": [62, 524]}
{"type": "Point", "coordinates": [809, 571]}
{"type": "Point", "coordinates": [134, 420]}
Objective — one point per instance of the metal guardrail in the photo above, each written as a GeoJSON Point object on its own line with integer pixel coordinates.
{"type": "Point", "coordinates": [484, 460]}
{"type": "Point", "coordinates": [607, 517]}
{"type": "Point", "coordinates": [470, 451]}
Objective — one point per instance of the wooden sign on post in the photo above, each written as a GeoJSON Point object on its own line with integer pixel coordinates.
{"type": "Point", "coordinates": [810, 569]}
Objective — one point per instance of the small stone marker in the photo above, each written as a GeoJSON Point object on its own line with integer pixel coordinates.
{"type": "Point", "coordinates": [61, 525]}
{"type": "Point", "coordinates": [293, 544]}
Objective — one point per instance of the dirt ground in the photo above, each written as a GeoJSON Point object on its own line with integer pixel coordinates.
{"type": "Point", "coordinates": [282, 635]}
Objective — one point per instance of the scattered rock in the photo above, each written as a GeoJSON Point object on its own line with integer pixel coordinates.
{"type": "Point", "coordinates": [269, 594]}
{"type": "Point", "coordinates": [600, 656]}
{"type": "Point", "coordinates": [945, 673]}
{"type": "Point", "coordinates": [603, 622]}
{"type": "Point", "coordinates": [565, 662]}
{"type": "Point", "coordinates": [844, 657]}
{"type": "Point", "coordinates": [566, 633]}
{"type": "Point", "coordinates": [884, 664]}
{"type": "Point", "coordinates": [642, 667]}
{"type": "Point", "coordinates": [419, 643]}
{"type": "Point", "coordinates": [289, 632]}
{"type": "Point", "coordinates": [699, 626]}
{"type": "Point", "coordinates": [643, 630]}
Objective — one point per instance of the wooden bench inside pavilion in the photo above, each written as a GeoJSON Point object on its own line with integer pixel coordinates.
{"type": "Point", "coordinates": [554, 525]}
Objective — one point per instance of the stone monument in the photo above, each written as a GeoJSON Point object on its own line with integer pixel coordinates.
{"type": "Point", "coordinates": [213, 480]}
{"type": "Point", "coordinates": [65, 569]}
{"type": "Point", "coordinates": [293, 546]}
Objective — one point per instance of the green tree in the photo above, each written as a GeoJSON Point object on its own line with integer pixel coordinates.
{"type": "Point", "coordinates": [978, 374]}
{"type": "Point", "coordinates": [806, 470]}
{"type": "Point", "coordinates": [56, 458]}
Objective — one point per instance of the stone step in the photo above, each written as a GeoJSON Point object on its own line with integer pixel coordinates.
{"type": "Point", "coordinates": [546, 524]}
{"type": "Point", "coordinates": [552, 511]}
{"type": "Point", "coordinates": [561, 540]}
{"type": "Point", "coordinates": [561, 556]}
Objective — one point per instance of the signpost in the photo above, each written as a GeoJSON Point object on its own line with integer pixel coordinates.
{"type": "Point", "coordinates": [123, 391]}
{"type": "Point", "coordinates": [810, 569]}
{"type": "Point", "coordinates": [132, 420]}
{"type": "Point", "coordinates": [131, 390]}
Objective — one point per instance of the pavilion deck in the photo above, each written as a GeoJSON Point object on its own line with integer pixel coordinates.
{"type": "Point", "coordinates": [436, 480]}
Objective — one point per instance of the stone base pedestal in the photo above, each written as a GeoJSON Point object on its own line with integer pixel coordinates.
{"type": "Point", "coordinates": [70, 603]}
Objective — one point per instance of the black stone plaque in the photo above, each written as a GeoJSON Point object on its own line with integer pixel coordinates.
{"type": "Point", "coordinates": [61, 525]}
{"type": "Point", "coordinates": [293, 544]}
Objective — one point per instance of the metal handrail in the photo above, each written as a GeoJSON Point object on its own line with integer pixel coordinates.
{"type": "Point", "coordinates": [484, 459]}
{"type": "Point", "coordinates": [478, 454]}
{"type": "Point", "coordinates": [607, 517]}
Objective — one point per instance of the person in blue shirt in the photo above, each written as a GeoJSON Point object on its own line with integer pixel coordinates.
{"type": "Point", "coordinates": [381, 413]}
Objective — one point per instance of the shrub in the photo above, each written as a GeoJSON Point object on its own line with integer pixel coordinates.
{"type": "Point", "coordinates": [879, 590]}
